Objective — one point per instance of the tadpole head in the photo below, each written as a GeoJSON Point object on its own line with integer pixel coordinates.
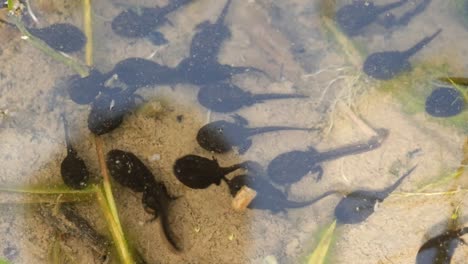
{"type": "Point", "coordinates": [83, 90]}
{"type": "Point", "coordinates": [130, 24]}
{"type": "Point", "coordinates": [74, 172]}
{"type": "Point", "coordinates": [445, 102]}
{"type": "Point", "coordinates": [107, 112]}
{"type": "Point", "coordinates": [356, 207]}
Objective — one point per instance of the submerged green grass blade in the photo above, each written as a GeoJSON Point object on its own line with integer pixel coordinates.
{"type": "Point", "coordinates": [43, 190]}
{"type": "Point", "coordinates": [444, 180]}
{"type": "Point", "coordinates": [321, 251]}
{"type": "Point", "coordinates": [10, 7]}
{"type": "Point", "coordinates": [352, 53]}
{"type": "Point", "coordinates": [4, 261]}
{"type": "Point", "coordinates": [115, 228]}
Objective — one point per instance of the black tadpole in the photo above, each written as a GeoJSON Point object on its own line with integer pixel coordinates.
{"type": "Point", "coordinates": [358, 205]}
{"type": "Point", "coordinates": [226, 97]}
{"type": "Point", "coordinates": [354, 17]}
{"type": "Point", "coordinates": [73, 169]}
{"type": "Point", "coordinates": [221, 136]}
{"type": "Point", "coordinates": [144, 21]}
{"type": "Point", "coordinates": [268, 196]}
{"type": "Point", "coordinates": [207, 41]}
{"type": "Point", "coordinates": [441, 248]}
{"type": "Point", "coordinates": [128, 170]}
{"type": "Point", "coordinates": [83, 90]}
{"type": "Point", "coordinates": [156, 201]}
{"type": "Point", "coordinates": [445, 102]}
{"type": "Point", "coordinates": [108, 110]}
{"type": "Point", "coordinates": [63, 37]}
{"type": "Point", "coordinates": [288, 168]}
{"type": "Point", "coordinates": [388, 64]}
{"type": "Point", "coordinates": [199, 172]}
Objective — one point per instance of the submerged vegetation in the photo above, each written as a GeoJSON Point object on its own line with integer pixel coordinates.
{"type": "Point", "coordinates": [103, 191]}
{"type": "Point", "coordinates": [410, 88]}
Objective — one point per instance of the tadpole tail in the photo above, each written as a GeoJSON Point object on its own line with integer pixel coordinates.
{"type": "Point", "coordinates": [392, 187]}
{"type": "Point", "coordinates": [67, 133]}
{"type": "Point", "coordinates": [174, 5]}
{"type": "Point", "coordinates": [390, 6]}
{"type": "Point", "coordinates": [223, 14]}
{"type": "Point", "coordinates": [406, 17]}
{"type": "Point", "coordinates": [232, 168]}
{"type": "Point", "coordinates": [411, 51]}
{"type": "Point", "coordinates": [167, 231]}
{"type": "Point", "coordinates": [275, 96]}
{"type": "Point", "coordinates": [232, 188]}
{"type": "Point", "coordinates": [261, 130]}
{"type": "Point", "coordinates": [294, 204]}
{"type": "Point", "coordinates": [356, 148]}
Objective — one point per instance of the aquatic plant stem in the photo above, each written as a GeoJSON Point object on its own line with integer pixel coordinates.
{"type": "Point", "coordinates": [88, 30]}
{"type": "Point", "coordinates": [106, 179]}
{"type": "Point", "coordinates": [64, 190]}
{"type": "Point", "coordinates": [4, 261]}
{"type": "Point", "coordinates": [452, 176]}
{"type": "Point", "coordinates": [465, 94]}
{"type": "Point", "coordinates": [41, 45]}
{"type": "Point", "coordinates": [320, 253]}
{"type": "Point", "coordinates": [104, 195]}
{"type": "Point", "coordinates": [115, 228]}
{"type": "Point", "coordinates": [10, 5]}
{"type": "Point", "coordinates": [359, 122]}
{"type": "Point", "coordinates": [354, 57]}
{"type": "Point", "coordinates": [406, 194]}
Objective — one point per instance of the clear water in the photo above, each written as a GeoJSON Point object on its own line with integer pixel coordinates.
{"type": "Point", "coordinates": [302, 51]}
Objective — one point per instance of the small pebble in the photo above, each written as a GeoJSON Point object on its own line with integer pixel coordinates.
{"type": "Point", "coordinates": [155, 157]}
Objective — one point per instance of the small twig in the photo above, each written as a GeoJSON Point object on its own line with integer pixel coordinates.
{"type": "Point", "coordinates": [406, 194]}
{"type": "Point", "coordinates": [88, 30]}
{"type": "Point", "coordinates": [343, 174]}
{"type": "Point", "coordinates": [361, 124]}
{"type": "Point", "coordinates": [106, 178]}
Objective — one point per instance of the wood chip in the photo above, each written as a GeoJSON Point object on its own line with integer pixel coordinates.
{"type": "Point", "coordinates": [243, 198]}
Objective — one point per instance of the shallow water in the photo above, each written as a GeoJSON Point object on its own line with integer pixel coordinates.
{"type": "Point", "coordinates": [301, 51]}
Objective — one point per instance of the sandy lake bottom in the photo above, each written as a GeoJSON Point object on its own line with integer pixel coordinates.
{"type": "Point", "coordinates": [293, 42]}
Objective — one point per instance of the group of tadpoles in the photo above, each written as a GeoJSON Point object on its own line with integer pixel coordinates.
{"type": "Point", "coordinates": [111, 100]}
{"type": "Point", "coordinates": [446, 100]}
